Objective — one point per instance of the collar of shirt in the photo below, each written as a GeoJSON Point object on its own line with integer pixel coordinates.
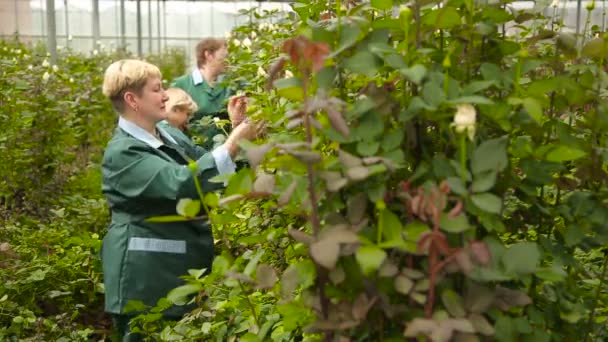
{"type": "Point", "coordinates": [143, 135]}
{"type": "Point", "coordinates": [197, 77]}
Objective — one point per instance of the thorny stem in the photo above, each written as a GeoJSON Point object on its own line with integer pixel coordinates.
{"type": "Point", "coordinates": [597, 298]}
{"type": "Point", "coordinates": [418, 23]}
{"type": "Point", "coordinates": [314, 216]}
{"type": "Point", "coordinates": [587, 22]}
{"type": "Point", "coordinates": [463, 158]}
{"type": "Point", "coordinates": [433, 261]}
{"type": "Point", "coordinates": [255, 315]}
{"type": "Point", "coordinates": [199, 190]}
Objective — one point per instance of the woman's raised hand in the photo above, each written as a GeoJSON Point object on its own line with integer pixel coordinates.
{"type": "Point", "coordinates": [237, 107]}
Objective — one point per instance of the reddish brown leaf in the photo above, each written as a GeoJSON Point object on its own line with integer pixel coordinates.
{"type": "Point", "coordinates": [481, 252]}
{"type": "Point", "coordinates": [456, 210]}
{"type": "Point", "coordinates": [316, 53]}
{"type": "Point", "coordinates": [264, 183]}
{"type": "Point", "coordinates": [464, 262]}
{"type": "Point", "coordinates": [349, 160]}
{"type": "Point", "coordinates": [273, 72]}
{"type": "Point", "coordinates": [301, 237]}
{"type": "Point", "coordinates": [286, 195]}
{"type": "Point", "coordinates": [256, 154]}
{"type": "Point", "coordinates": [337, 122]}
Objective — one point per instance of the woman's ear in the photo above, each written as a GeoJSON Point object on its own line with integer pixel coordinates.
{"type": "Point", "coordinates": [208, 56]}
{"type": "Point", "coordinates": [130, 100]}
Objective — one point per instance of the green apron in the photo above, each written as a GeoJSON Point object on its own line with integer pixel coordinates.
{"type": "Point", "coordinates": [143, 261]}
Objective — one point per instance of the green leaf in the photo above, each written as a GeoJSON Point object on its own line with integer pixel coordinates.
{"type": "Point", "coordinates": [415, 73]}
{"type": "Point", "coordinates": [290, 88]}
{"type": "Point", "coordinates": [367, 148]}
{"type": "Point", "coordinates": [403, 284]}
{"type": "Point", "coordinates": [595, 48]}
{"type": "Point", "coordinates": [490, 155]}
{"type": "Point", "coordinates": [534, 109]}
{"type": "Point", "coordinates": [414, 230]}
{"type": "Point", "coordinates": [456, 185]}
{"type": "Point", "coordinates": [488, 202]}
{"type": "Point", "coordinates": [249, 337]}
{"type": "Point", "coordinates": [433, 94]}
{"type": "Point", "coordinates": [240, 183]}
{"type": "Point", "coordinates": [363, 62]}
{"type": "Point", "coordinates": [390, 225]}
{"type": "Point", "coordinates": [326, 77]}
{"type": "Point", "coordinates": [484, 181]}
{"type": "Point", "coordinates": [382, 4]}
{"type": "Point", "coordinates": [471, 99]}
{"type": "Point", "coordinates": [370, 258]}
{"type": "Point", "coordinates": [456, 224]}
{"type": "Point", "coordinates": [188, 207]}
{"type": "Point", "coordinates": [453, 303]}
{"type": "Point", "coordinates": [392, 140]}
{"type": "Point", "coordinates": [443, 18]}
{"type": "Point", "coordinates": [179, 295]}
{"type": "Point", "coordinates": [553, 274]}
{"type": "Point", "coordinates": [349, 34]}
{"type": "Point", "coordinates": [294, 315]}
{"type": "Point", "coordinates": [253, 262]}
{"type": "Point", "coordinates": [521, 258]}
{"type": "Point", "coordinates": [563, 153]}
{"type": "Point", "coordinates": [477, 86]}
{"type": "Point", "coordinates": [168, 218]}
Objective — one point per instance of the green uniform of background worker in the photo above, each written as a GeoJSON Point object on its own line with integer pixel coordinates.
{"type": "Point", "coordinates": [205, 87]}
{"type": "Point", "coordinates": [144, 174]}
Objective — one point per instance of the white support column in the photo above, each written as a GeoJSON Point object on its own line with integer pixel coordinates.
{"type": "Point", "coordinates": [149, 26]}
{"type": "Point", "coordinates": [96, 28]}
{"type": "Point", "coordinates": [51, 30]}
{"type": "Point", "coordinates": [123, 26]}
{"type": "Point", "coordinates": [140, 52]}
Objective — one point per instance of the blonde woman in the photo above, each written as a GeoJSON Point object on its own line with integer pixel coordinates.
{"type": "Point", "coordinates": [180, 108]}
{"type": "Point", "coordinates": [145, 173]}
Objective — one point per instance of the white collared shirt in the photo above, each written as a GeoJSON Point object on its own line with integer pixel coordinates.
{"type": "Point", "coordinates": [197, 77]}
{"type": "Point", "coordinates": [220, 154]}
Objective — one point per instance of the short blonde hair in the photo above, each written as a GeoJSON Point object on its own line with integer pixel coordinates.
{"type": "Point", "coordinates": [127, 75]}
{"type": "Point", "coordinates": [179, 99]}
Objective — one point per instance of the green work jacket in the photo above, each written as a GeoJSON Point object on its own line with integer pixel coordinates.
{"type": "Point", "coordinates": [212, 103]}
{"type": "Point", "coordinates": [144, 177]}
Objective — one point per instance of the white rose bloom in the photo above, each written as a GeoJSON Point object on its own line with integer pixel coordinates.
{"type": "Point", "coordinates": [465, 119]}
{"type": "Point", "coordinates": [30, 67]}
{"type": "Point", "coordinates": [236, 42]}
{"type": "Point", "coordinates": [262, 72]}
{"type": "Point", "coordinates": [253, 35]}
{"type": "Point", "coordinates": [55, 68]}
{"type": "Point", "coordinates": [555, 3]}
{"type": "Point", "coordinates": [95, 52]}
{"type": "Point", "coordinates": [46, 76]}
{"type": "Point", "coordinates": [46, 64]}
{"type": "Point", "coordinates": [288, 73]}
{"type": "Point", "coordinates": [216, 119]}
{"type": "Point", "coordinates": [246, 42]}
